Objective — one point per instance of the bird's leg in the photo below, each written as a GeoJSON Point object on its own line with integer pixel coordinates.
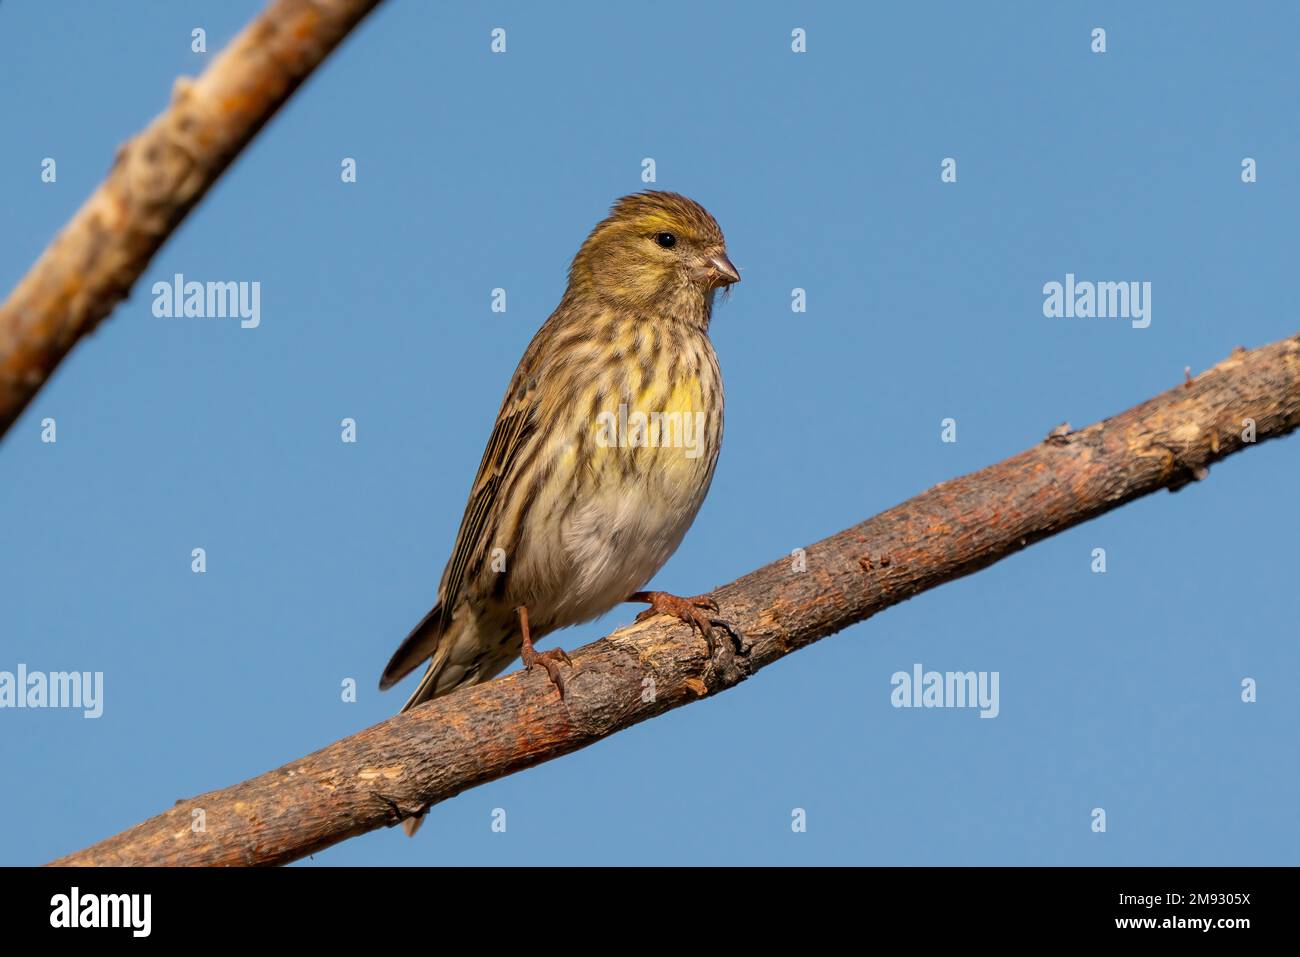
{"type": "Point", "coordinates": [533, 658]}
{"type": "Point", "coordinates": [693, 612]}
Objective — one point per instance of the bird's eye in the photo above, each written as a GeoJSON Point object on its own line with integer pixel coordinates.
{"type": "Point", "coordinates": [666, 240]}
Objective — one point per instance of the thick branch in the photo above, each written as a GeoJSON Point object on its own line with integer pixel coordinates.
{"type": "Point", "coordinates": [156, 180]}
{"type": "Point", "coordinates": [392, 770]}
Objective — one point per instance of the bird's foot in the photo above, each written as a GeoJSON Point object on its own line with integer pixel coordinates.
{"type": "Point", "coordinates": [695, 611]}
{"type": "Point", "coordinates": [533, 658]}
{"type": "Point", "coordinates": [549, 660]}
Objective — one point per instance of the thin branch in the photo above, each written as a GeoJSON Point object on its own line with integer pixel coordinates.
{"type": "Point", "coordinates": [390, 771]}
{"type": "Point", "coordinates": [156, 180]}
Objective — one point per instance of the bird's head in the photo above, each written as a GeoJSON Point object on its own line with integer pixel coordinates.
{"type": "Point", "coordinates": [655, 250]}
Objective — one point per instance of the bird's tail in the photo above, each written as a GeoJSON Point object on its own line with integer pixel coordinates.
{"type": "Point", "coordinates": [421, 644]}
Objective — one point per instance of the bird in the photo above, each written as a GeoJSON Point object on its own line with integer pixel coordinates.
{"type": "Point", "coordinates": [601, 455]}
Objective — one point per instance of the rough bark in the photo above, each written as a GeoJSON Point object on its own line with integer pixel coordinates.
{"type": "Point", "coordinates": [156, 180]}
{"type": "Point", "coordinates": [390, 771]}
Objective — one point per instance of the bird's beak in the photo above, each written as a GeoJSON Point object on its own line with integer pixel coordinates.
{"type": "Point", "coordinates": [721, 271]}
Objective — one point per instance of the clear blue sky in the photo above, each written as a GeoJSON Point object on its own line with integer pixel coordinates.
{"type": "Point", "coordinates": [1118, 690]}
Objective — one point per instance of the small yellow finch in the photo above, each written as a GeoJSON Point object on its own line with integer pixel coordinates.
{"type": "Point", "coordinates": [601, 454]}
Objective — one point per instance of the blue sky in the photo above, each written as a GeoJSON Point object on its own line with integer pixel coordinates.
{"type": "Point", "coordinates": [1119, 690]}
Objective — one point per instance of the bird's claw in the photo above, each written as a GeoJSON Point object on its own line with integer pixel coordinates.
{"type": "Point", "coordinates": [547, 660]}
{"type": "Point", "coordinates": [692, 611]}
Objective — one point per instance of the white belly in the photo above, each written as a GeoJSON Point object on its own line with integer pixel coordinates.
{"type": "Point", "coordinates": [615, 546]}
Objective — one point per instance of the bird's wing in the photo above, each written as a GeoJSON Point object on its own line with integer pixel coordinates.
{"type": "Point", "coordinates": [513, 425]}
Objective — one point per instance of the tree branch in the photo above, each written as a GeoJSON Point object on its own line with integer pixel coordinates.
{"type": "Point", "coordinates": [155, 181]}
{"type": "Point", "coordinates": [390, 771]}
